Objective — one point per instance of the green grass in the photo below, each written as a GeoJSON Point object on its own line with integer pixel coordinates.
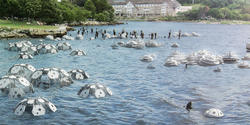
{"type": "Point", "coordinates": [8, 24]}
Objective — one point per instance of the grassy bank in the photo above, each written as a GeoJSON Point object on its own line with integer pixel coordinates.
{"type": "Point", "coordinates": [8, 24]}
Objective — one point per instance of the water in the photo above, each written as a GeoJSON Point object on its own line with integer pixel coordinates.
{"type": "Point", "coordinates": [143, 96]}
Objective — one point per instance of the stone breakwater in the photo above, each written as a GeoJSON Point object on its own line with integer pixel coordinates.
{"type": "Point", "coordinates": [33, 33]}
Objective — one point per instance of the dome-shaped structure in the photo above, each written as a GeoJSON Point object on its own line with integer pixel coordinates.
{"type": "Point", "coordinates": [214, 113]}
{"type": "Point", "coordinates": [46, 48]}
{"type": "Point", "coordinates": [18, 46]}
{"type": "Point", "coordinates": [36, 106]}
{"type": "Point", "coordinates": [32, 50]}
{"type": "Point", "coordinates": [78, 74]}
{"type": "Point", "coordinates": [148, 58]}
{"type": "Point", "coordinates": [63, 46]}
{"type": "Point", "coordinates": [78, 53]}
{"type": "Point", "coordinates": [25, 55]}
{"type": "Point", "coordinates": [96, 90]}
{"type": "Point", "coordinates": [47, 77]}
{"type": "Point", "coordinates": [24, 70]}
{"type": "Point", "coordinates": [79, 37]}
{"type": "Point", "coordinates": [15, 86]}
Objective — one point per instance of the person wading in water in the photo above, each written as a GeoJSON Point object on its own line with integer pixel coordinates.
{"type": "Point", "coordinates": [169, 34]}
{"type": "Point", "coordinates": [179, 35]}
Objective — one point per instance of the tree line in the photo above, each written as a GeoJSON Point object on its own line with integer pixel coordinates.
{"type": "Point", "coordinates": [52, 11]}
{"type": "Point", "coordinates": [218, 9]}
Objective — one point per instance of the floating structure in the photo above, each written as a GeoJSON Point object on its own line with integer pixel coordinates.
{"type": "Point", "coordinates": [171, 62]}
{"type": "Point", "coordinates": [48, 77]}
{"type": "Point", "coordinates": [23, 70]}
{"type": "Point", "coordinates": [79, 37]}
{"type": "Point", "coordinates": [66, 37]}
{"type": "Point", "coordinates": [63, 46]}
{"type": "Point", "coordinates": [18, 46]}
{"type": "Point", "coordinates": [96, 90]}
{"type": "Point", "coordinates": [78, 74]}
{"type": "Point", "coordinates": [230, 58]}
{"type": "Point", "coordinates": [36, 106]}
{"type": "Point", "coordinates": [218, 69]}
{"type": "Point", "coordinates": [46, 48]}
{"type": "Point", "coordinates": [248, 47]}
{"type": "Point", "coordinates": [15, 86]}
{"type": "Point", "coordinates": [244, 65]}
{"type": "Point", "coordinates": [25, 56]}
{"type": "Point", "coordinates": [175, 45]}
{"type": "Point", "coordinates": [148, 58]}
{"type": "Point", "coordinates": [78, 53]}
{"type": "Point", "coordinates": [214, 113]}
{"type": "Point", "coordinates": [152, 44]}
{"type": "Point", "coordinates": [49, 37]}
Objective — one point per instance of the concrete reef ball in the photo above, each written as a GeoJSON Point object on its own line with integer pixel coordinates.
{"type": "Point", "coordinates": [96, 90]}
{"type": "Point", "coordinates": [46, 48]}
{"type": "Point", "coordinates": [18, 46]}
{"type": "Point", "coordinates": [78, 53]}
{"type": "Point", "coordinates": [36, 106]}
{"type": "Point", "coordinates": [48, 77]}
{"type": "Point", "coordinates": [63, 46]}
{"type": "Point", "coordinates": [15, 86]}
{"type": "Point", "coordinates": [25, 56]}
{"type": "Point", "coordinates": [78, 74]}
{"type": "Point", "coordinates": [24, 70]}
{"type": "Point", "coordinates": [214, 113]}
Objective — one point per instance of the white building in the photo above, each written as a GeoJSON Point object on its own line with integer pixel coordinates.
{"type": "Point", "coordinates": [138, 8]}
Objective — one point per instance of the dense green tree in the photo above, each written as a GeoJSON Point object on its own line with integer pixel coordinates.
{"type": "Point", "coordinates": [90, 6]}
{"type": "Point", "coordinates": [32, 8]}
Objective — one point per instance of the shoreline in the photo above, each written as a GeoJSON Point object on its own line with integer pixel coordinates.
{"type": "Point", "coordinates": [229, 22]}
{"type": "Point", "coordinates": [41, 31]}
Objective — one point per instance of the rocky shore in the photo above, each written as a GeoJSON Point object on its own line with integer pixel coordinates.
{"type": "Point", "coordinates": [33, 33]}
{"type": "Point", "coordinates": [94, 23]}
{"type": "Point", "coordinates": [41, 33]}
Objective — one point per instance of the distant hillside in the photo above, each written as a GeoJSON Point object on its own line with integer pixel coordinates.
{"type": "Point", "coordinates": [217, 9]}
{"type": "Point", "coordinates": [52, 11]}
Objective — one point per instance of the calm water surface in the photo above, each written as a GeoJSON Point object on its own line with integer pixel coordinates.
{"type": "Point", "coordinates": [143, 96]}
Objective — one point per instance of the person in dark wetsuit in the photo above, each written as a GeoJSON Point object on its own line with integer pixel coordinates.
{"type": "Point", "coordinates": [142, 35]}
{"type": "Point", "coordinates": [96, 34]}
{"type": "Point", "coordinates": [179, 35]}
{"type": "Point", "coordinates": [152, 35]}
{"type": "Point", "coordinates": [114, 33]}
{"type": "Point", "coordinates": [169, 34]}
{"type": "Point", "coordinates": [155, 35]}
{"type": "Point", "coordinates": [189, 106]}
{"type": "Point", "coordinates": [103, 35]}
